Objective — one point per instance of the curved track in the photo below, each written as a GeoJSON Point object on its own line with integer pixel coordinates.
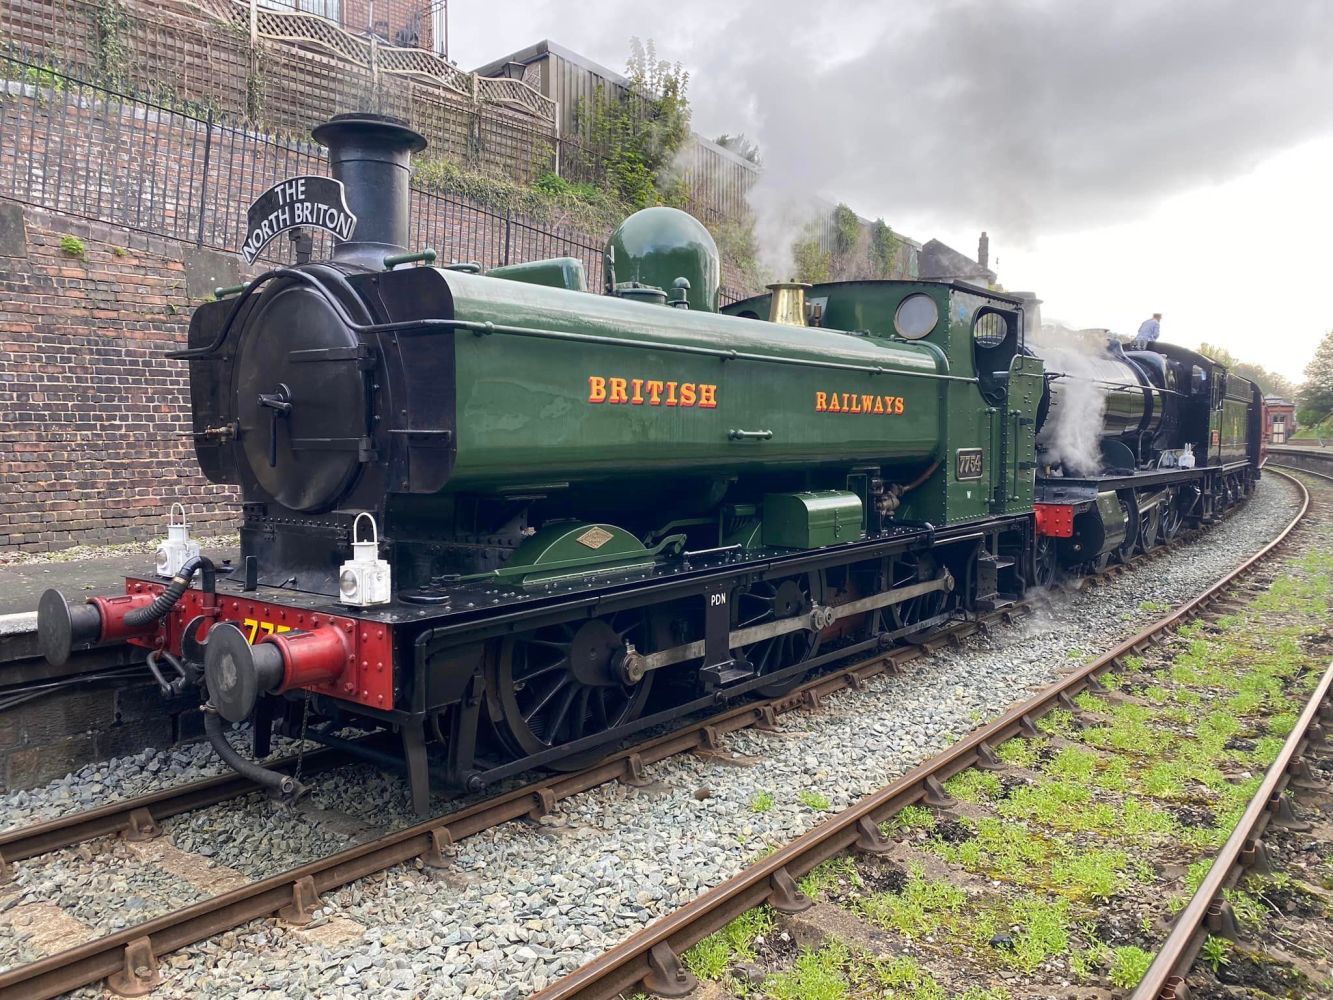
{"type": "Point", "coordinates": [128, 957]}
{"type": "Point", "coordinates": [649, 959]}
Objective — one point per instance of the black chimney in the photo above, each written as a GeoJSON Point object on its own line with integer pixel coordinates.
{"type": "Point", "coordinates": [371, 155]}
{"type": "Point", "coordinates": [983, 251]}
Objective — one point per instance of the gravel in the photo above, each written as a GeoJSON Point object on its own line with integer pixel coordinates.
{"type": "Point", "coordinates": [527, 902]}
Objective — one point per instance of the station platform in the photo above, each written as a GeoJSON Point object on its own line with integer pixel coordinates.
{"type": "Point", "coordinates": [21, 584]}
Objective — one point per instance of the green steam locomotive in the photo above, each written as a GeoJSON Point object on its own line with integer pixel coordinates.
{"type": "Point", "coordinates": [513, 523]}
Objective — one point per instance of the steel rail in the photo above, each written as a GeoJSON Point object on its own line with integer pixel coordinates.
{"type": "Point", "coordinates": [1207, 909]}
{"type": "Point", "coordinates": [294, 893]}
{"type": "Point", "coordinates": [129, 957]}
{"type": "Point", "coordinates": [1243, 849]}
{"type": "Point", "coordinates": [138, 817]}
{"type": "Point", "coordinates": [649, 959]}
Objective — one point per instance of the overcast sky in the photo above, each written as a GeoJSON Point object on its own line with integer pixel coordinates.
{"type": "Point", "coordinates": [1125, 158]}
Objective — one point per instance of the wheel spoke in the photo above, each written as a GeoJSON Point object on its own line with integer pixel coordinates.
{"type": "Point", "coordinates": [527, 675]}
{"type": "Point", "coordinates": [553, 730]}
{"type": "Point", "coordinates": [599, 707]}
{"type": "Point", "coordinates": [561, 682]}
{"type": "Point", "coordinates": [578, 720]}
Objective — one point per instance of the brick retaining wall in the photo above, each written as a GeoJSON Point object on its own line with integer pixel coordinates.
{"type": "Point", "coordinates": [94, 420]}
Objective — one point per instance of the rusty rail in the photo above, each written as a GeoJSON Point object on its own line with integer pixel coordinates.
{"type": "Point", "coordinates": [128, 958]}
{"type": "Point", "coordinates": [138, 818]}
{"type": "Point", "coordinates": [650, 959]}
{"type": "Point", "coordinates": [1207, 910]}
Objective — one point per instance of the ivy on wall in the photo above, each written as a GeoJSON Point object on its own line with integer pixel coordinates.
{"type": "Point", "coordinates": [112, 26]}
{"type": "Point", "coordinates": [550, 200]}
{"type": "Point", "coordinates": [858, 250]}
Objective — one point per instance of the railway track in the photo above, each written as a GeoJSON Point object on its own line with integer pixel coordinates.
{"type": "Point", "coordinates": [128, 958]}
{"type": "Point", "coordinates": [653, 960]}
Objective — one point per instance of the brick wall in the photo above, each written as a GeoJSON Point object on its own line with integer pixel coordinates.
{"type": "Point", "coordinates": [94, 421]}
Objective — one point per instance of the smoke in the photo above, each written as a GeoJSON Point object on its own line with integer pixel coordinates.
{"type": "Point", "coordinates": [1071, 436]}
{"type": "Point", "coordinates": [781, 217]}
{"type": "Point", "coordinates": [1025, 115]}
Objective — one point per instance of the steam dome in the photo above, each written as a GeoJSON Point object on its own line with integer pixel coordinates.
{"type": "Point", "coordinates": [655, 246]}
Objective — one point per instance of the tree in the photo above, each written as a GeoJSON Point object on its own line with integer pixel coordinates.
{"type": "Point", "coordinates": [1316, 395]}
{"type": "Point", "coordinates": [742, 145]}
{"type": "Point", "coordinates": [884, 246]}
{"type": "Point", "coordinates": [633, 135]}
{"type": "Point", "coordinates": [1270, 383]}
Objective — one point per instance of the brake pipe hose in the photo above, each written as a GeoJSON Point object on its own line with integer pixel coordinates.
{"type": "Point", "coordinates": [166, 600]}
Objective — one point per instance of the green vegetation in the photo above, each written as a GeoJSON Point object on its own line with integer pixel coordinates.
{"type": "Point", "coordinates": [711, 957]}
{"type": "Point", "coordinates": [1272, 383]}
{"type": "Point", "coordinates": [45, 77]}
{"type": "Point", "coordinates": [1216, 952]}
{"type": "Point", "coordinates": [1043, 930]}
{"type": "Point", "coordinates": [922, 907]}
{"type": "Point", "coordinates": [910, 818]}
{"type": "Point", "coordinates": [742, 145]}
{"type": "Point", "coordinates": [634, 135]}
{"type": "Point", "coordinates": [762, 801]}
{"type": "Point", "coordinates": [1011, 852]}
{"type": "Point", "coordinates": [550, 200]}
{"type": "Point", "coordinates": [974, 785]}
{"type": "Point", "coordinates": [835, 873]}
{"type": "Point", "coordinates": [858, 250]}
{"type": "Point", "coordinates": [1128, 964]}
{"type": "Point", "coordinates": [113, 52]}
{"type": "Point", "coordinates": [72, 246]}
{"type": "Point", "coordinates": [812, 799]}
{"type": "Point", "coordinates": [1058, 722]}
{"type": "Point", "coordinates": [815, 975]}
{"type": "Point", "coordinates": [1020, 752]}
{"type": "Point", "coordinates": [1090, 702]}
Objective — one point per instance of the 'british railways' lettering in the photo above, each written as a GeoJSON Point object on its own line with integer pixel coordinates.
{"type": "Point", "coordinates": [651, 392]}
{"type": "Point", "coordinates": [853, 402]}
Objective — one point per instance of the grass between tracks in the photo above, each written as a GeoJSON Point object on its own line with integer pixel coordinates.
{"type": "Point", "coordinates": [1064, 867]}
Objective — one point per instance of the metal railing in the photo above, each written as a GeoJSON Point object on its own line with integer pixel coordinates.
{"type": "Point", "coordinates": [170, 168]}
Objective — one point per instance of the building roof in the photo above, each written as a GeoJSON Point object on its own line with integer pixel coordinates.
{"type": "Point", "coordinates": [938, 261]}
{"type": "Point", "coordinates": [1278, 401]}
{"type": "Point", "coordinates": [547, 47]}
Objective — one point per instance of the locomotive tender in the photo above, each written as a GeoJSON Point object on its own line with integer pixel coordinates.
{"type": "Point", "coordinates": [507, 523]}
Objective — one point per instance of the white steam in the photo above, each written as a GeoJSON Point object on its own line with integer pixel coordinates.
{"type": "Point", "coordinates": [1071, 436]}
{"type": "Point", "coordinates": [783, 215]}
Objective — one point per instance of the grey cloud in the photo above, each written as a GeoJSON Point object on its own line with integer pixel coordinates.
{"type": "Point", "coordinates": [1037, 116]}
